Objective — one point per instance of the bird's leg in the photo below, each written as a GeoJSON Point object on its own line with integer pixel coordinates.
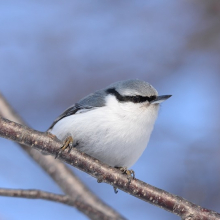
{"type": "Point", "coordinates": [130, 175]}
{"type": "Point", "coordinates": [68, 142]}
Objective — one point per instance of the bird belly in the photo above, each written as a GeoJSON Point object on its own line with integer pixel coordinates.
{"type": "Point", "coordinates": [105, 136]}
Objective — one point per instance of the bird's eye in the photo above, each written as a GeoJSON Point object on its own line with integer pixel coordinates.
{"type": "Point", "coordinates": [139, 99]}
{"type": "Point", "coordinates": [151, 98]}
{"type": "Point", "coordinates": [136, 99]}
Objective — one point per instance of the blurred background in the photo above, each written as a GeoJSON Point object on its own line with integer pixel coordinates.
{"type": "Point", "coordinates": [53, 53]}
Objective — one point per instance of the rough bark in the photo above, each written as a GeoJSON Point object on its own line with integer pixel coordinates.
{"type": "Point", "coordinates": [47, 143]}
{"type": "Point", "coordinates": [61, 174]}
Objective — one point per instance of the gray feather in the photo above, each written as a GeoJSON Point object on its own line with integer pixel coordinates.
{"type": "Point", "coordinates": [96, 99]}
{"type": "Point", "coordinates": [93, 100]}
{"type": "Point", "coordinates": [134, 87]}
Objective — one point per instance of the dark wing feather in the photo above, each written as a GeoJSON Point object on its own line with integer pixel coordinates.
{"type": "Point", "coordinates": [70, 111]}
{"type": "Point", "coordinates": [88, 103]}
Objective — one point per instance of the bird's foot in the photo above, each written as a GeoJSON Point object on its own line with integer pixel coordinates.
{"type": "Point", "coordinates": [68, 142]}
{"type": "Point", "coordinates": [130, 175]}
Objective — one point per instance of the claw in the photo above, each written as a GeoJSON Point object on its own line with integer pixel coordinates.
{"type": "Point", "coordinates": [70, 146]}
{"type": "Point", "coordinates": [130, 173]}
{"type": "Point", "coordinates": [100, 179]}
{"type": "Point", "coordinates": [115, 189]}
{"type": "Point", "coordinates": [67, 143]}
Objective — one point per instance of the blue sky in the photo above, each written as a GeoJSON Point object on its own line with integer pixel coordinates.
{"type": "Point", "coordinates": [54, 53]}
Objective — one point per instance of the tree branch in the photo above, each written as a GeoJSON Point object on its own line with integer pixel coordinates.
{"type": "Point", "coordinates": [47, 143]}
{"type": "Point", "coordinates": [38, 194]}
{"type": "Point", "coordinates": [62, 175]}
{"type": "Point", "coordinates": [35, 194]}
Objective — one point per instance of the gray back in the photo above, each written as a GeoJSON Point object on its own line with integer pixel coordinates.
{"type": "Point", "coordinates": [133, 87]}
{"type": "Point", "coordinates": [130, 87]}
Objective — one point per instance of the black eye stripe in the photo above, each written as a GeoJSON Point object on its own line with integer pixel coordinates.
{"type": "Point", "coordinates": [135, 99]}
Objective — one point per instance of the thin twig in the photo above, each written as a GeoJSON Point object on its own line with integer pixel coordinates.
{"type": "Point", "coordinates": [35, 194]}
{"type": "Point", "coordinates": [61, 174]}
{"type": "Point", "coordinates": [45, 142]}
{"type": "Point", "coordinates": [39, 194]}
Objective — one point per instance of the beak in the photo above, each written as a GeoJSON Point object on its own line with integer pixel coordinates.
{"type": "Point", "coordinates": [160, 99]}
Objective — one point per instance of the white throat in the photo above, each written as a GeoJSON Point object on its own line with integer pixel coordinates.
{"type": "Point", "coordinates": [134, 123]}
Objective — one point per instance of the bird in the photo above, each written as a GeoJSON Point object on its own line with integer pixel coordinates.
{"type": "Point", "coordinates": [113, 124]}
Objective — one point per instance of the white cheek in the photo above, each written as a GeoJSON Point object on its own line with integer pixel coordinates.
{"type": "Point", "coordinates": [140, 112]}
{"type": "Point", "coordinates": [115, 105]}
{"type": "Point", "coordinates": [130, 107]}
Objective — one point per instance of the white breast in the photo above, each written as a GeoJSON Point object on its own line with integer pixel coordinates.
{"type": "Point", "coordinates": [115, 134]}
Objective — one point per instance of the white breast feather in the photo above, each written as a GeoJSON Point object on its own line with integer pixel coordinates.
{"type": "Point", "coordinates": [115, 134]}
